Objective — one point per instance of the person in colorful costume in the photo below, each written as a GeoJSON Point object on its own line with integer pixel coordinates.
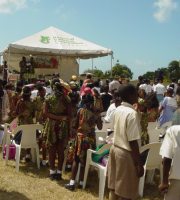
{"type": "Point", "coordinates": [75, 98]}
{"type": "Point", "coordinates": [13, 103]}
{"type": "Point", "coordinates": [144, 116]}
{"type": "Point", "coordinates": [98, 105]}
{"type": "Point", "coordinates": [85, 139]}
{"type": "Point", "coordinates": [57, 111]}
{"type": "Point", "coordinates": [40, 118]}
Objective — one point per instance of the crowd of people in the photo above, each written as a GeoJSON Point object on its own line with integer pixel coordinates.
{"type": "Point", "coordinates": [72, 112]}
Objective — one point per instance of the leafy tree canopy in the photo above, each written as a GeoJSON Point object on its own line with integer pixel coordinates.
{"type": "Point", "coordinates": [122, 71]}
{"type": "Point", "coordinates": [174, 69]}
{"type": "Point", "coordinates": [97, 72]}
{"type": "Point", "coordinates": [167, 73]}
{"type": "Point", "coordinates": [149, 75]}
{"type": "Point", "coordinates": [117, 70]}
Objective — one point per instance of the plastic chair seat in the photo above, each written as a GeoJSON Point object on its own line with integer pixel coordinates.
{"type": "Point", "coordinates": [28, 140]}
{"type": "Point", "coordinates": [102, 169]}
{"type": "Point", "coordinates": [153, 161]}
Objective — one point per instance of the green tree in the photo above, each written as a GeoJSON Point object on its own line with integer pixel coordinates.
{"type": "Point", "coordinates": [122, 71]}
{"type": "Point", "coordinates": [149, 75]}
{"type": "Point", "coordinates": [107, 74]}
{"type": "Point", "coordinates": [174, 69]}
{"type": "Point", "coordinates": [155, 74]}
{"type": "Point", "coordinates": [96, 72]}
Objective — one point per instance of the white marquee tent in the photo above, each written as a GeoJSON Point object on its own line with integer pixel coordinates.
{"type": "Point", "coordinates": [54, 42]}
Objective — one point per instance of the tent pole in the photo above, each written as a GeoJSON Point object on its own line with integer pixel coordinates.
{"type": "Point", "coordinates": [8, 62]}
{"type": "Point", "coordinates": [112, 58]}
{"type": "Point", "coordinates": [60, 65]}
{"type": "Point", "coordinates": [92, 65]}
{"type": "Point", "coordinates": [79, 65]}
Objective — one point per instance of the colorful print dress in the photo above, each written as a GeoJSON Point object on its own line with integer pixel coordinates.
{"type": "Point", "coordinates": [39, 102]}
{"type": "Point", "coordinates": [98, 105]}
{"type": "Point", "coordinates": [85, 138]}
{"type": "Point", "coordinates": [55, 129]}
{"type": "Point", "coordinates": [75, 98]}
{"type": "Point", "coordinates": [144, 129]}
{"type": "Point", "coordinates": [25, 111]}
{"type": "Point", "coordinates": [13, 103]}
{"type": "Point", "coordinates": [143, 122]}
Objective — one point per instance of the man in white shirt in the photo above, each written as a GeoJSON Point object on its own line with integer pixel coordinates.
{"type": "Point", "coordinates": [143, 85]}
{"type": "Point", "coordinates": [160, 90]}
{"type": "Point", "coordinates": [170, 151]}
{"type": "Point", "coordinates": [146, 86]}
{"type": "Point", "coordinates": [110, 112]}
{"type": "Point", "coordinates": [173, 84]}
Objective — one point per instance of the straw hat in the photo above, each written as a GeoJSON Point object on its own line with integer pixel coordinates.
{"type": "Point", "coordinates": [74, 78]}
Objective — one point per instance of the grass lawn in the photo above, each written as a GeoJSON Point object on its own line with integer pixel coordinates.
{"type": "Point", "coordinates": [31, 183]}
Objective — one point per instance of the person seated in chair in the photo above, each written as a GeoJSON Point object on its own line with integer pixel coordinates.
{"type": "Point", "coordinates": [25, 111]}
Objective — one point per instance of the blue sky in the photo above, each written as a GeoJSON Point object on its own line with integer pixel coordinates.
{"type": "Point", "coordinates": [143, 34]}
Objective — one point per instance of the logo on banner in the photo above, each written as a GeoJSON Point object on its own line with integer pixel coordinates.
{"type": "Point", "coordinates": [45, 39]}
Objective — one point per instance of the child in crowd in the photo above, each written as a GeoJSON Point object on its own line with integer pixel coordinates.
{"type": "Point", "coordinates": [75, 98]}
{"type": "Point", "coordinates": [116, 102]}
{"type": "Point", "coordinates": [152, 105]}
{"type": "Point", "coordinates": [85, 139]}
{"type": "Point", "coordinates": [167, 107]}
{"type": "Point", "coordinates": [148, 109]}
{"type": "Point", "coordinates": [125, 167]}
{"type": "Point", "coordinates": [13, 103]}
{"type": "Point", "coordinates": [25, 111]}
{"type": "Point", "coordinates": [98, 106]}
{"type": "Point", "coordinates": [106, 98]}
{"type": "Point", "coordinates": [4, 103]}
{"type": "Point", "coordinates": [40, 118]}
{"type": "Point", "coordinates": [143, 116]}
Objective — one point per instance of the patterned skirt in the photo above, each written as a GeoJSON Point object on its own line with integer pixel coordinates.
{"type": "Point", "coordinates": [82, 144]}
{"type": "Point", "coordinates": [55, 131]}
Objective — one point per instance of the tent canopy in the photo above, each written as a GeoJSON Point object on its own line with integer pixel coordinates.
{"type": "Point", "coordinates": [53, 41]}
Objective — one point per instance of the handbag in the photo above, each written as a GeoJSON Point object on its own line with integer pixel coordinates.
{"type": "Point", "coordinates": [12, 151]}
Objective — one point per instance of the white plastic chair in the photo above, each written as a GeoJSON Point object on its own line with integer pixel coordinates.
{"type": "Point", "coordinates": [102, 169]}
{"type": "Point", "coordinates": [167, 124]}
{"type": "Point", "coordinates": [164, 127]}
{"type": "Point", "coordinates": [8, 128]}
{"type": "Point", "coordinates": [154, 132]}
{"type": "Point", "coordinates": [100, 137]}
{"type": "Point", "coordinates": [153, 161]}
{"type": "Point", "coordinates": [28, 140]}
{"type": "Point", "coordinates": [152, 125]}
